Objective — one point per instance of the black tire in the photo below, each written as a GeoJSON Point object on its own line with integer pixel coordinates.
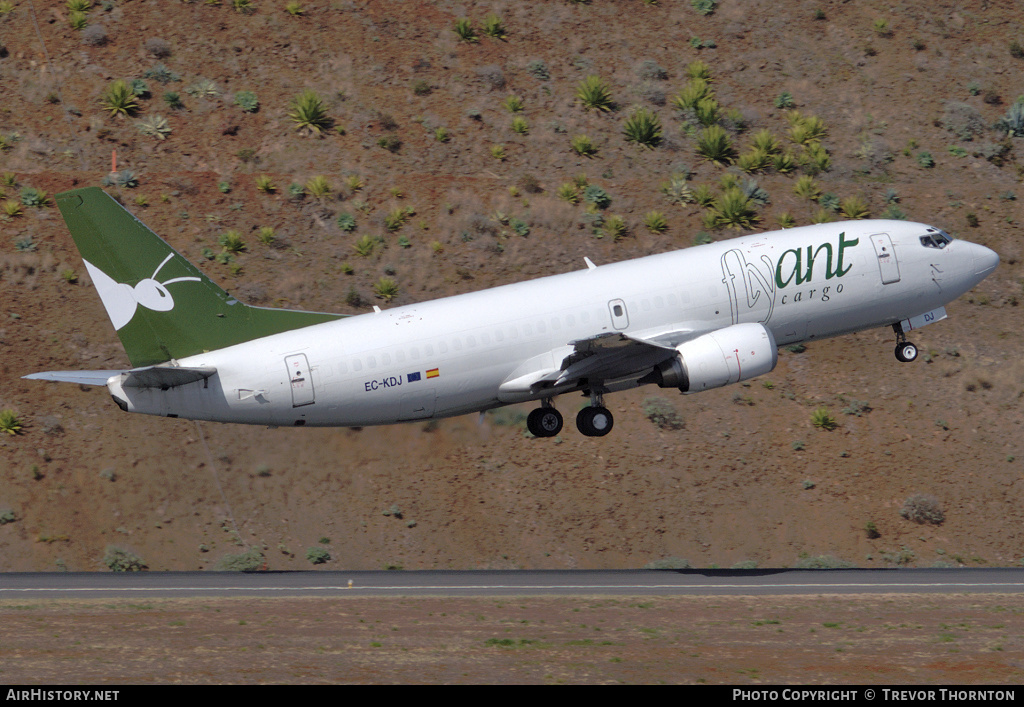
{"type": "Point", "coordinates": [906, 352]}
{"type": "Point", "coordinates": [594, 421]}
{"type": "Point", "coordinates": [544, 422]}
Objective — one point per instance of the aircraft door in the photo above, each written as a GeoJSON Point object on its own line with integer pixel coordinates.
{"type": "Point", "coordinates": [887, 264]}
{"type": "Point", "coordinates": [301, 382]}
{"type": "Point", "coordinates": [620, 317]}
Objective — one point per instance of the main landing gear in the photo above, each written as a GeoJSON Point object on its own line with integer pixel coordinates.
{"type": "Point", "coordinates": [593, 421]}
{"type": "Point", "coordinates": [905, 350]}
{"type": "Point", "coordinates": [545, 421]}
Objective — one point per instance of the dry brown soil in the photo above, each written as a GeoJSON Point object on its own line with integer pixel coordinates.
{"type": "Point", "coordinates": [747, 478]}
{"type": "Point", "coordinates": [878, 640]}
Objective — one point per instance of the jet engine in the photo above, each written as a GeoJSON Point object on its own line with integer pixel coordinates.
{"type": "Point", "coordinates": [729, 355]}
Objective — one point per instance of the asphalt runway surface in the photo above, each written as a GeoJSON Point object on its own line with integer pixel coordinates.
{"type": "Point", "coordinates": [484, 583]}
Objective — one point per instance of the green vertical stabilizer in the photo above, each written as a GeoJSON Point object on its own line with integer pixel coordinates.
{"type": "Point", "coordinates": [161, 305]}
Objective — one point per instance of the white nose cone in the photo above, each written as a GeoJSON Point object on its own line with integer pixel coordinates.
{"type": "Point", "coordinates": [985, 260]}
{"type": "Point", "coordinates": [118, 299]}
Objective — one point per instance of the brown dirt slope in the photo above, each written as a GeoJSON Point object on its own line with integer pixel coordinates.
{"type": "Point", "coordinates": [746, 479]}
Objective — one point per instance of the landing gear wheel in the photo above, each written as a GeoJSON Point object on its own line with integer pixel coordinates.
{"type": "Point", "coordinates": [594, 421]}
{"type": "Point", "coordinates": [906, 352]}
{"type": "Point", "coordinates": [544, 422]}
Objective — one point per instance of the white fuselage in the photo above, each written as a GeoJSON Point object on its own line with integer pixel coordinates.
{"type": "Point", "coordinates": [452, 356]}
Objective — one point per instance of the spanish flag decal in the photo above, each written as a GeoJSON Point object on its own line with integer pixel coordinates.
{"type": "Point", "coordinates": [432, 373]}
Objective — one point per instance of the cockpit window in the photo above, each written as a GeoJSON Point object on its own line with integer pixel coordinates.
{"type": "Point", "coordinates": [935, 239]}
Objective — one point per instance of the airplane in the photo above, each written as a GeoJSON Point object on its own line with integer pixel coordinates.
{"type": "Point", "coordinates": [692, 319]}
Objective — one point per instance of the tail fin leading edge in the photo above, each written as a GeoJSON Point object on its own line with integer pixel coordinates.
{"type": "Point", "coordinates": [161, 305]}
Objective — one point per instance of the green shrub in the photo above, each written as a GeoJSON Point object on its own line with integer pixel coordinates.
{"type": "Point", "coordinates": [464, 30]}
{"type": "Point", "coordinates": [615, 227]}
{"type": "Point", "coordinates": [644, 128]}
{"type": "Point", "coordinates": [308, 112]}
{"type": "Point", "coordinates": [346, 222]}
{"type": "Point", "coordinates": [317, 555]}
{"type": "Point", "coordinates": [594, 93]}
{"type": "Point", "coordinates": [7, 516]}
{"type": "Point", "coordinates": [120, 560]}
{"type": "Point", "coordinates": [154, 126]}
{"type": "Point", "coordinates": [386, 289]}
{"type": "Point", "coordinates": [715, 145]}
{"type": "Point", "coordinates": [119, 99]}
{"type": "Point", "coordinates": [583, 146]}
{"type": "Point", "coordinates": [36, 198]}
{"type": "Point", "coordinates": [265, 184]}
{"type": "Point", "coordinates": [923, 509]}
{"type": "Point", "coordinates": [822, 562]}
{"type": "Point", "coordinates": [318, 187]}
{"type": "Point", "coordinates": [493, 27]}
{"type": "Point", "coordinates": [597, 196]}
{"type": "Point", "coordinates": [704, 7]}
{"type": "Point", "coordinates": [734, 209]}
{"type": "Point", "coordinates": [925, 159]}
{"type": "Point", "coordinates": [676, 190]}
{"type": "Point", "coordinates": [9, 422]}
{"type": "Point", "coordinates": [655, 222]}
{"type": "Point", "coordinates": [249, 561]}
{"type": "Point", "coordinates": [231, 241]}
{"type": "Point", "coordinates": [662, 413]}
{"type": "Point", "coordinates": [247, 101]}
{"type": "Point", "coordinates": [784, 100]}
{"type": "Point", "coordinates": [520, 126]}
{"type": "Point", "coordinates": [668, 563]}
{"type": "Point", "coordinates": [823, 419]}
{"type": "Point", "coordinates": [854, 207]}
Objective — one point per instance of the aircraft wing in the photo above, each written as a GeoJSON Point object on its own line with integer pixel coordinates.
{"type": "Point", "coordinates": [162, 377]}
{"type": "Point", "coordinates": [602, 357]}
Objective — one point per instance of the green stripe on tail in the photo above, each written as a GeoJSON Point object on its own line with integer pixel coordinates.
{"type": "Point", "coordinates": [161, 305]}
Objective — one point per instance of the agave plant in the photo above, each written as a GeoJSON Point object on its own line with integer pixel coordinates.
{"type": "Point", "coordinates": [386, 288]}
{"type": "Point", "coordinates": [231, 241]}
{"type": "Point", "coordinates": [247, 101]}
{"type": "Point", "coordinates": [265, 184]}
{"type": "Point", "coordinates": [715, 145]}
{"type": "Point", "coordinates": [734, 209]}
{"type": "Point", "coordinates": [644, 128]}
{"type": "Point", "coordinates": [493, 27]}
{"type": "Point", "coordinates": [655, 222]}
{"type": "Point", "coordinates": [568, 192]}
{"type": "Point", "coordinates": [583, 146]}
{"type": "Point", "coordinates": [615, 227]}
{"type": "Point", "coordinates": [346, 222]}
{"type": "Point", "coordinates": [318, 187]}
{"type": "Point", "coordinates": [806, 187]}
{"type": "Point", "coordinates": [155, 126]}
{"type": "Point", "coordinates": [309, 113]}
{"type": "Point", "coordinates": [594, 93]}
{"type": "Point", "coordinates": [694, 92]}
{"type": "Point", "coordinates": [676, 190]}
{"type": "Point", "coordinates": [766, 141]}
{"type": "Point", "coordinates": [854, 207]}
{"type": "Point", "coordinates": [119, 99]}
{"type": "Point", "coordinates": [464, 30]}
{"type": "Point", "coordinates": [698, 70]}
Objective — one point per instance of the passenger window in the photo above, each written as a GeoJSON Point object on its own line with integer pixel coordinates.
{"type": "Point", "coordinates": [372, 362]}
{"type": "Point", "coordinates": [357, 365]}
{"type": "Point", "coordinates": [617, 309]}
{"type": "Point", "coordinates": [442, 347]}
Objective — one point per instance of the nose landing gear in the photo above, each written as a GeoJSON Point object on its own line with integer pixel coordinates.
{"type": "Point", "coordinates": [905, 350]}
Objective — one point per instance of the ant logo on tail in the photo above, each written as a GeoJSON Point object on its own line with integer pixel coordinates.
{"type": "Point", "coordinates": [122, 300]}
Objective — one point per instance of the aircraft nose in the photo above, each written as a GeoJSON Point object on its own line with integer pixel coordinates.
{"type": "Point", "coordinates": [985, 260]}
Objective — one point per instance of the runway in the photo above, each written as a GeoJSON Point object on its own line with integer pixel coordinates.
{"type": "Point", "coordinates": [483, 583]}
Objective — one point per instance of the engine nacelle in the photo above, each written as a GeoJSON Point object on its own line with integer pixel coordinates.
{"type": "Point", "coordinates": [729, 355]}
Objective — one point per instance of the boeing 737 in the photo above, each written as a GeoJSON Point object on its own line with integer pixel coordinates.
{"type": "Point", "coordinates": [692, 319]}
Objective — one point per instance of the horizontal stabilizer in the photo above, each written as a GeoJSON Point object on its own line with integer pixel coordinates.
{"type": "Point", "coordinates": [149, 377]}
{"type": "Point", "coordinates": [80, 377]}
{"type": "Point", "coordinates": [165, 377]}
